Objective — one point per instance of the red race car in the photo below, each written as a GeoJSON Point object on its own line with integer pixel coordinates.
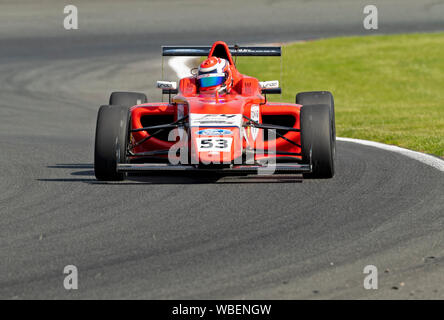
{"type": "Point", "coordinates": [216, 120]}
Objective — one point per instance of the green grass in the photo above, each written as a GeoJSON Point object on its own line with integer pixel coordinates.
{"type": "Point", "coordinates": [387, 88]}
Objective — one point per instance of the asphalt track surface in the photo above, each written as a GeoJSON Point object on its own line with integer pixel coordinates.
{"type": "Point", "coordinates": [179, 236]}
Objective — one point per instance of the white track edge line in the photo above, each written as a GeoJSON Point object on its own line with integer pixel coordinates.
{"type": "Point", "coordinates": [419, 156]}
{"type": "Point", "coordinates": [180, 66]}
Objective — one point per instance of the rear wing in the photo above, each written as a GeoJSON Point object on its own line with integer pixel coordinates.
{"type": "Point", "coordinates": [201, 51]}
{"type": "Point", "coordinates": [222, 50]}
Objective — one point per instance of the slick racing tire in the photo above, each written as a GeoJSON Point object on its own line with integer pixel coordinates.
{"type": "Point", "coordinates": [320, 97]}
{"type": "Point", "coordinates": [318, 140]}
{"type": "Point", "coordinates": [112, 131]}
{"type": "Point", "coordinates": [127, 98]}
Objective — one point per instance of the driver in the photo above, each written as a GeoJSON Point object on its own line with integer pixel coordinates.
{"type": "Point", "coordinates": [214, 75]}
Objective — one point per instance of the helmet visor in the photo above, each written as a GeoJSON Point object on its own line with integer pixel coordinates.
{"type": "Point", "coordinates": [211, 80]}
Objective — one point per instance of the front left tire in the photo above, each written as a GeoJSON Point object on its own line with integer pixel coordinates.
{"type": "Point", "coordinates": [320, 97]}
{"type": "Point", "coordinates": [317, 139]}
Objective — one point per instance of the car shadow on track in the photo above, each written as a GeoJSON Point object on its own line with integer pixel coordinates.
{"type": "Point", "coordinates": [87, 176]}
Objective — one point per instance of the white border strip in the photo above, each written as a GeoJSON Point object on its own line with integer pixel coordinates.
{"type": "Point", "coordinates": [180, 67]}
{"type": "Point", "coordinates": [419, 156]}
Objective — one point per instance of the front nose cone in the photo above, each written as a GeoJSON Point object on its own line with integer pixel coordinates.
{"type": "Point", "coordinates": [215, 145]}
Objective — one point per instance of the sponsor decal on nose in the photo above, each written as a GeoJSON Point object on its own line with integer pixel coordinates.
{"type": "Point", "coordinates": [214, 132]}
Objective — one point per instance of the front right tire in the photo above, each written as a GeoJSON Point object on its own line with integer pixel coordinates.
{"type": "Point", "coordinates": [112, 132]}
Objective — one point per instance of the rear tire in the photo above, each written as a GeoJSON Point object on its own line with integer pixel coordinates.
{"type": "Point", "coordinates": [111, 142]}
{"type": "Point", "coordinates": [318, 139]}
{"type": "Point", "coordinates": [128, 99]}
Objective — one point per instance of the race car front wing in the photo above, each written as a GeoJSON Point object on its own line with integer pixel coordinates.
{"type": "Point", "coordinates": [233, 168]}
{"type": "Point", "coordinates": [242, 169]}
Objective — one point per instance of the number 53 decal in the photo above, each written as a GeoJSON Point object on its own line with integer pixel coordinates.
{"type": "Point", "coordinates": [214, 144]}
